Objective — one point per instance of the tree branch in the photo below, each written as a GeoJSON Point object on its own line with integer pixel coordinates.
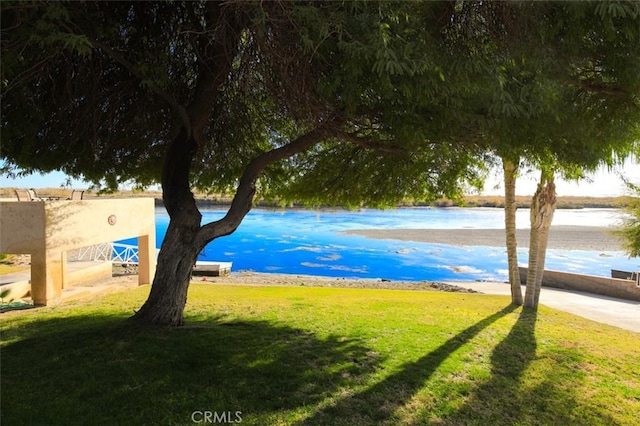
{"type": "Point", "coordinates": [180, 110]}
{"type": "Point", "coordinates": [243, 200]}
{"type": "Point", "coordinates": [216, 55]}
{"type": "Point", "coordinates": [605, 89]}
{"type": "Point", "coordinates": [368, 143]}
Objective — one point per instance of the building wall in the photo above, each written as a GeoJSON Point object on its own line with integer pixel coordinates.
{"type": "Point", "coordinates": [612, 287]}
{"type": "Point", "coordinates": [48, 229]}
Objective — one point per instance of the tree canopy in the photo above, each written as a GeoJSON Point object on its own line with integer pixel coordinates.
{"type": "Point", "coordinates": [562, 96]}
{"type": "Point", "coordinates": [228, 96]}
{"type": "Point", "coordinates": [99, 90]}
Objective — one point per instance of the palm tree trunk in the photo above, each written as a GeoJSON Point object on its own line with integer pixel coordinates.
{"type": "Point", "coordinates": [510, 206]}
{"type": "Point", "coordinates": [542, 209]}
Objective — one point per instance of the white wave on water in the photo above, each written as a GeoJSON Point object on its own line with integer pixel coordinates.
{"type": "Point", "coordinates": [334, 267]}
{"type": "Point", "coordinates": [314, 249]}
{"type": "Point", "coordinates": [330, 257]}
{"type": "Point", "coordinates": [273, 268]}
{"type": "Point", "coordinates": [464, 269]}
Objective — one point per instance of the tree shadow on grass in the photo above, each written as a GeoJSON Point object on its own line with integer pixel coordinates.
{"type": "Point", "coordinates": [96, 369]}
{"type": "Point", "coordinates": [504, 400]}
{"type": "Point", "coordinates": [497, 401]}
{"type": "Point", "coordinates": [377, 404]}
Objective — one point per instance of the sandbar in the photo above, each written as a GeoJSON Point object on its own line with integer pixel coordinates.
{"type": "Point", "coordinates": [563, 237]}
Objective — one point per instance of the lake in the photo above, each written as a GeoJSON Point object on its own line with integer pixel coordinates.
{"type": "Point", "coordinates": [311, 243]}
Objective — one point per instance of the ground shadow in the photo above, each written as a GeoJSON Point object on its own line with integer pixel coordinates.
{"type": "Point", "coordinates": [377, 404]}
{"type": "Point", "coordinates": [504, 400]}
{"type": "Point", "coordinates": [499, 400]}
{"type": "Point", "coordinates": [95, 369]}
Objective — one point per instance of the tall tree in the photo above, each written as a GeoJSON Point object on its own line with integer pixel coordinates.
{"type": "Point", "coordinates": [217, 95]}
{"type": "Point", "coordinates": [510, 172]}
{"type": "Point", "coordinates": [564, 96]}
{"type": "Point", "coordinates": [543, 206]}
{"type": "Point", "coordinates": [599, 112]}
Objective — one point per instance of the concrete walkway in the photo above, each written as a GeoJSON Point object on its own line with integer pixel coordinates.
{"type": "Point", "coordinates": [75, 291]}
{"type": "Point", "coordinates": [608, 310]}
{"type": "Point", "coordinates": [25, 274]}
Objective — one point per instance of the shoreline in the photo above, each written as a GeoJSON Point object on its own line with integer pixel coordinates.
{"type": "Point", "coordinates": [298, 280]}
{"type": "Point", "coordinates": [570, 202]}
{"type": "Point", "coordinates": [563, 237]}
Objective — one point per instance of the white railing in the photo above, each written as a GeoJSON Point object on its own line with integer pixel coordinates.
{"type": "Point", "coordinates": [124, 253]}
{"type": "Point", "coordinates": [95, 253]}
{"type": "Point", "coordinates": [114, 252]}
{"type": "Point", "coordinates": [127, 254]}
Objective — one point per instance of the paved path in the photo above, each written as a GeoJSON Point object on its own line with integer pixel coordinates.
{"type": "Point", "coordinates": [77, 291]}
{"type": "Point", "coordinates": [25, 274]}
{"type": "Point", "coordinates": [608, 310]}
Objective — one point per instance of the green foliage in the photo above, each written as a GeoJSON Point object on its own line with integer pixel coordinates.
{"type": "Point", "coordinates": [565, 92]}
{"type": "Point", "coordinates": [104, 115]}
{"type": "Point", "coordinates": [355, 176]}
{"type": "Point", "coordinates": [630, 231]}
{"type": "Point", "coordinates": [422, 90]}
{"type": "Point", "coordinates": [4, 294]}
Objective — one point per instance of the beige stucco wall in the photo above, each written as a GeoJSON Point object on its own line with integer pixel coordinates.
{"type": "Point", "coordinates": [612, 287]}
{"type": "Point", "coordinates": [48, 229]}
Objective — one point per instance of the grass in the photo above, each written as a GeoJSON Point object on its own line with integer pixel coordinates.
{"type": "Point", "coordinates": [7, 267]}
{"type": "Point", "coordinates": [314, 356]}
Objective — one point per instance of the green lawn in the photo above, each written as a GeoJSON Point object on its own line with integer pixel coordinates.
{"type": "Point", "coordinates": [312, 356]}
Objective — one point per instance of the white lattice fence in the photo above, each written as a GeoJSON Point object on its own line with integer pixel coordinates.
{"type": "Point", "coordinates": [115, 252]}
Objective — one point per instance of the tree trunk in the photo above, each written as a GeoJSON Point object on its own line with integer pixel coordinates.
{"type": "Point", "coordinates": [168, 297]}
{"type": "Point", "coordinates": [180, 246]}
{"type": "Point", "coordinates": [183, 240]}
{"type": "Point", "coordinates": [185, 236]}
{"type": "Point", "coordinates": [510, 169]}
{"type": "Point", "coordinates": [543, 206]}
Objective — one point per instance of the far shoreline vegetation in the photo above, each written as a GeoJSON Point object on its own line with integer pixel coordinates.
{"type": "Point", "coordinates": [490, 201]}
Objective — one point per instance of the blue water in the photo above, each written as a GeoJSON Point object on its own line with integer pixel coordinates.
{"type": "Point", "coordinates": [311, 243]}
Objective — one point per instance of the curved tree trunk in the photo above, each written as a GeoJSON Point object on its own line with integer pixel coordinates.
{"type": "Point", "coordinates": [543, 206]}
{"type": "Point", "coordinates": [185, 237]}
{"type": "Point", "coordinates": [510, 206]}
{"type": "Point", "coordinates": [183, 242]}
{"type": "Point", "coordinates": [168, 296]}
{"type": "Point", "coordinates": [180, 248]}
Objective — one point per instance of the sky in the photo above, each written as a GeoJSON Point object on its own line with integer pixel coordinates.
{"type": "Point", "coordinates": [603, 183]}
